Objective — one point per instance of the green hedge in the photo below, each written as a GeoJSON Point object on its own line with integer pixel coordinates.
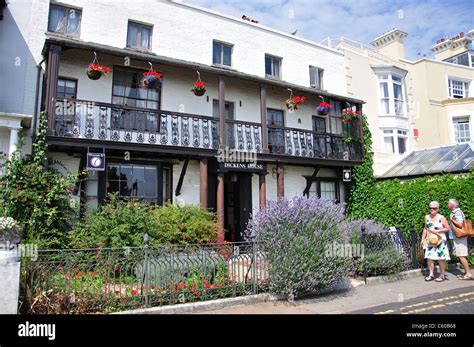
{"type": "Point", "coordinates": [401, 203]}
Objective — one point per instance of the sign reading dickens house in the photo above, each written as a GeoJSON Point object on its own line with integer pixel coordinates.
{"type": "Point", "coordinates": [241, 166]}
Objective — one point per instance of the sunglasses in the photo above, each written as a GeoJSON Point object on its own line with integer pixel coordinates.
{"type": "Point", "coordinates": [433, 208]}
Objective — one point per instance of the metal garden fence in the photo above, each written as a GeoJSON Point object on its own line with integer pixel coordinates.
{"type": "Point", "coordinates": [108, 280]}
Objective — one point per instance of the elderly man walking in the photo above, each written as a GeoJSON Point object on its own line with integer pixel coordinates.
{"type": "Point", "coordinates": [460, 247]}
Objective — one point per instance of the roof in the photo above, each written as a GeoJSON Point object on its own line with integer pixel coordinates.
{"type": "Point", "coordinates": [454, 159]}
{"type": "Point", "coordinates": [164, 60]}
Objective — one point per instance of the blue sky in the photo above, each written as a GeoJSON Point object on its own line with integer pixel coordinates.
{"type": "Point", "coordinates": [425, 21]}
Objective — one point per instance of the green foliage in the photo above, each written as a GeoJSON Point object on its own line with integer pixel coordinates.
{"type": "Point", "coordinates": [185, 225]}
{"type": "Point", "coordinates": [363, 181]}
{"type": "Point", "coordinates": [37, 196]}
{"type": "Point", "coordinates": [398, 203]}
{"type": "Point", "coordinates": [401, 203]}
{"type": "Point", "coordinates": [122, 223]}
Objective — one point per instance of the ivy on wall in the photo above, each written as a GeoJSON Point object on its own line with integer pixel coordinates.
{"type": "Point", "coordinates": [36, 196]}
{"type": "Point", "coordinates": [399, 203]}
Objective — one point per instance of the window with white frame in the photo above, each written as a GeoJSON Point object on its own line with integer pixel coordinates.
{"type": "Point", "coordinates": [458, 88]}
{"type": "Point", "coordinates": [395, 141]}
{"type": "Point", "coordinates": [392, 94]}
{"type": "Point", "coordinates": [462, 129]}
{"type": "Point", "coordinates": [272, 66]}
{"type": "Point", "coordinates": [64, 20]}
{"type": "Point", "coordinates": [316, 77]}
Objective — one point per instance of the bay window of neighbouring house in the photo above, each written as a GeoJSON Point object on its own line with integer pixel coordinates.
{"type": "Point", "coordinates": [64, 20]}
{"type": "Point", "coordinates": [457, 88]}
{"type": "Point", "coordinates": [392, 95]}
{"type": "Point", "coordinates": [395, 141]}
{"type": "Point", "coordinates": [462, 129]}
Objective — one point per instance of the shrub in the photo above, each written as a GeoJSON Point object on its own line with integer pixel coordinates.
{"type": "Point", "coordinates": [187, 224]}
{"type": "Point", "coordinates": [381, 255]}
{"type": "Point", "coordinates": [295, 234]}
{"type": "Point", "coordinates": [115, 224]}
{"type": "Point", "coordinates": [123, 223]}
{"type": "Point", "coordinates": [36, 196]}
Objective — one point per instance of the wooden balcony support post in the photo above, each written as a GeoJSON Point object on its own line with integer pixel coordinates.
{"type": "Point", "coordinates": [203, 182]}
{"type": "Point", "coordinates": [280, 181]}
{"type": "Point", "coordinates": [220, 207]}
{"type": "Point", "coordinates": [52, 71]}
{"type": "Point", "coordinates": [262, 190]}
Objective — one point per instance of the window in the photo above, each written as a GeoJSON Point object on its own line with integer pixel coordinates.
{"type": "Point", "coordinates": [139, 36]}
{"type": "Point", "coordinates": [125, 90]}
{"type": "Point", "coordinates": [319, 124]}
{"type": "Point", "coordinates": [138, 181]}
{"type": "Point", "coordinates": [458, 89]}
{"type": "Point", "coordinates": [462, 129]}
{"type": "Point", "coordinates": [402, 141]}
{"type": "Point", "coordinates": [221, 54]}
{"type": "Point", "coordinates": [466, 59]}
{"type": "Point", "coordinates": [325, 188]}
{"type": "Point", "coordinates": [229, 109]}
{"type": "Point", "coordinates": [316, 77]}
{"type": "Point", "coordinates": [276, 137]}
{"type": "Point", "coordinates": [398, 95]}
{"type": "Point", "coordinates": [272, 66]}
{"type": "Point", "coordinates": [64, 20]}
{"type": "Point", "coordinates": [395, 141]}
{"type": "Point", "coordinates": [67, 88]}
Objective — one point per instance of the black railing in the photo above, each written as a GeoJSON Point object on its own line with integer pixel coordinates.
{"type": "Point", "coordinates": [101, 121]}
{"type": "Point", "coordinates": [108, 122]}
{"type": "Point", "coordinates": [306, 143]}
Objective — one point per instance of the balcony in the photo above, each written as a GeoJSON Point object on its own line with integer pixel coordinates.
{"type": "Point", "coordinates": [89, 120]}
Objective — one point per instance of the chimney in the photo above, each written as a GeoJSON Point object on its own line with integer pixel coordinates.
{"type": "Point", "coordinates": [447, 47]}
{"type": "Point", "coordinates": [391, 44]}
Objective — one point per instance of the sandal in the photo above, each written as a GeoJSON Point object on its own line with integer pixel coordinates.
{"type": "Point", "coordinates": [440, 279]}
{"type": "Point", "coordinates": [465, 278]}
{"type": "Point", "coordinates": [429, 278]}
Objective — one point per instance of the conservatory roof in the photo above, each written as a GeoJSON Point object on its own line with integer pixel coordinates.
{"type": "Point", "coordinates": [454, 159]}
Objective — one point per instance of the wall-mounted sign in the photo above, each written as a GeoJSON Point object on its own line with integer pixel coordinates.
{"type": "Point", "coordinates": [250, 167]}
{"type": "Point", "coordinates": [346, 175]}
{"type": "Point", "coordinates": [95, 161]}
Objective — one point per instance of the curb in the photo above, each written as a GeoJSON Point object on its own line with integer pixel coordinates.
{"type": "Point", "coordinates": [405, 275]}
{"type": "Point", "coordinates": [202, 306]}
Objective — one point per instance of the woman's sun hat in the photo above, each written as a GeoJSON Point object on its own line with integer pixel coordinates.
{"type": "Point", "coordinates": [434, 239]}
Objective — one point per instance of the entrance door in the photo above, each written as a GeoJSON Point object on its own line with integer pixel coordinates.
{"type": "Point", "coordinates": [238, 204]}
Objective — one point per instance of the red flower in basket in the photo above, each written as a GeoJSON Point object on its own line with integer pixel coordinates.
{"type": "Point", "coordinates": [323, 108]}
{"type": "Point", "coordinates": [199, 88]}
{"type": "Point", "coordinates": [293, 103]}
{"type": "Point", "coordinates": [348, 115]}
{"type": "Point", "coordinates": [95, 71]}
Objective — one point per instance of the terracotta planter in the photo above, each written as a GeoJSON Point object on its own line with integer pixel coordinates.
{"type": "Point", "coordinates": [94, 74]}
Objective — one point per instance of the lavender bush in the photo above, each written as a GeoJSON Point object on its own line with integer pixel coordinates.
{"type": "Point", "coordinates": [295, 235]}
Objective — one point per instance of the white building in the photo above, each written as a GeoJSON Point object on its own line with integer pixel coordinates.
{"type": "Point", "coordinates": [160, 144]}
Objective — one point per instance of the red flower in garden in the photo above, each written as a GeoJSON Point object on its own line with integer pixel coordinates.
{"type": "Point", "coordinates": [79, 274]}
{"type": "Point", "coordinates": [134, 292]}
{"type": "Point", "coordinates": [207, 286]}
{"type": "Point", "coordinates": [215, 286]}
{"type": "Point", "coordinates": [230, 282]}
{"type": "Point", "coordinates": [181, 285]}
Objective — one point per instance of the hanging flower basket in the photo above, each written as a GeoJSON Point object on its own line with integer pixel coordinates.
{"type": "Point", "coordinates": [323, 108]}
{"type": "Point", "coordinates": [199, 88]}
{"type": "Point", "coordinates": [349, 116]}
{"type": "Point", "coordinates": [293, 103]}
{"type": "Point", "coordinates": [95, 71]}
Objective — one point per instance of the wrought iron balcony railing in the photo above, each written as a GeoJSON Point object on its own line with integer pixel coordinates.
{"type": "Point", "coordinates": [108, 122]}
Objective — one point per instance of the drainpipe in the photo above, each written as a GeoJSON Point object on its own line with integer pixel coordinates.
{"type": "Point", "coordinates": [37, 92]}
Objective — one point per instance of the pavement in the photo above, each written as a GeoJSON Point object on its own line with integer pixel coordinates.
{"type": "Point", "coordinates": [412, 296]}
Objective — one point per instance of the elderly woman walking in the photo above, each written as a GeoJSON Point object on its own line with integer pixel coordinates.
{"type": "Point", "coordinates": [434, 241]}
{"type": "Point", "coordinates": [460, 244]}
